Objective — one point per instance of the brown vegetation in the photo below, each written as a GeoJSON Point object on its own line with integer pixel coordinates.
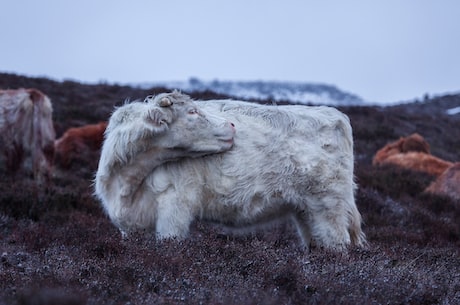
{"type": "Point", "coordinates": [58, 247]}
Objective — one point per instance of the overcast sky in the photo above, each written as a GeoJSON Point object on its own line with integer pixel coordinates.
{"type": "Point", "coordinates": [384, 51]}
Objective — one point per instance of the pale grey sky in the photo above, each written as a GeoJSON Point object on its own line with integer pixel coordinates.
{"type": "Point", "coordinates": [384, 51]}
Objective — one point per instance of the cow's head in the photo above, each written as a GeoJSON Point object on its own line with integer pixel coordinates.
{"type": "Point", "coordinates": [168, 122]}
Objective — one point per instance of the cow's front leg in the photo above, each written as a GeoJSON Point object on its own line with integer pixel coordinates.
{"type": "Point", "coordinates": [173, 218]}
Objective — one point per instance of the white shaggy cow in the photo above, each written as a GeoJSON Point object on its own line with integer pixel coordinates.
{"type": "Point", "coordinates": [26, 131]}
{"type": "Point", "coordinates": [286, 161]}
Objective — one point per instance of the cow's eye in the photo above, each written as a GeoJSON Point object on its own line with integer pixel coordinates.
{"type": "Point", "coordinates": [192, 111]}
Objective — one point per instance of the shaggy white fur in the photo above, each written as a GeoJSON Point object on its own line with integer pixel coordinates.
{"type": "Point", "coordinates": [286, 161]}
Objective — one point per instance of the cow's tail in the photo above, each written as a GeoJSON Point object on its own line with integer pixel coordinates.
{"type": "Point", "coordinates": [345, 134]}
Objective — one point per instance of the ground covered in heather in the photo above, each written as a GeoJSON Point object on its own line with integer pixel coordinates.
{"type": "Point", "coordinates": [58, 247]}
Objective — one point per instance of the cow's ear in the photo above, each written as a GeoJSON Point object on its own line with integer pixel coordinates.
{"type": "Point", "coordinates": [158, 117]}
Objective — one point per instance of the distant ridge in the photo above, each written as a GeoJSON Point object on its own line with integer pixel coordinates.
{"type": "Point", "coordinates": [293, 92]}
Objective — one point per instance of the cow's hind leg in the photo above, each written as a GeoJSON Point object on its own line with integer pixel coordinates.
{"type": "Point", "coordinates": [301, 220]}
{"type": "Point", "coordinates": [330, 222]}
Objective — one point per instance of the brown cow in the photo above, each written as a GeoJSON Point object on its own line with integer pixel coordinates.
{"type": "Point", "coordinates": [448, 183]}
{"type": "Point", "coordinates": [414, 142]}
{"type": "Point", "coordinates": [418, 161]}
{"type": "Point", "coordinates": [78, 142]}
{"type": "Point", "coordinates": [413, 153]}
{"type": "Point", "coordinates": [27, 132]}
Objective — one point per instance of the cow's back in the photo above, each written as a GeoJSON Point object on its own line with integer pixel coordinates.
{"type": "Point", "coordinates": [280, 154]}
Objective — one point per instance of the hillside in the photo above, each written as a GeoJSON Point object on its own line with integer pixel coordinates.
{"type": "Point", "coordinates": [58, 247]}
{"type": "Point", "coordinates": [303, 93]}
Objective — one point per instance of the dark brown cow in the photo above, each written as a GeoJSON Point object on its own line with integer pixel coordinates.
{"type": "Point", "coordinates": [27, 132]}
{"type": "Point", "coordinates": [78, 142]}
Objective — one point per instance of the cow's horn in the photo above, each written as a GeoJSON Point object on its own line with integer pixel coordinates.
{"type": "Point", "coordinates": [165, 102]}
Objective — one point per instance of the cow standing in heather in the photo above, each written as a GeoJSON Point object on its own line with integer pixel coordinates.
{"type": "Point", "coordinates": [169, 160]}
{"type": "Point", "coordinates": [26, 132]}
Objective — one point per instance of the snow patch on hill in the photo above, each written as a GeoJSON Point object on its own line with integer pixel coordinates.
{"type": "Point", "coordinates": [294, 92]}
